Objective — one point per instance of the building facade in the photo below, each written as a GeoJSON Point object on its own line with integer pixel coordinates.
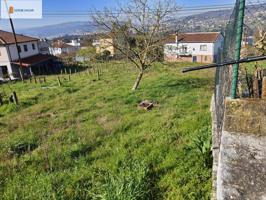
{"type": "Point", "coordinates": [60, 48]}
{"type": "Point", "coordinates": [194, 47]}
{"type": "Point", "coordinates": [28, 49]}
{"type": "Point", "coordinates": [104, 44]}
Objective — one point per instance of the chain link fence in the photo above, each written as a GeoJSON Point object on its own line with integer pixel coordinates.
{"type": "Point", "coordinates": [253, 44]}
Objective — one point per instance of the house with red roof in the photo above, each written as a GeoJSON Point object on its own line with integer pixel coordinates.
{"type": "Point", "coordinates": [202, 47]}
{"type": "Point", "coordinates": [32, 61]}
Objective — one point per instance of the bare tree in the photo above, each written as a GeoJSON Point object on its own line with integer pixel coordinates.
{"type": "Point", "coordinates": [138, 30]}
{"type": "Point", "coordinates": [260, 41]}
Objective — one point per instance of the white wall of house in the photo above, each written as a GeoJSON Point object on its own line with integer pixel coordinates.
{"type": "Point", "coordinates": [9, 53]}
{"type": "Point", "coordinates": [5, 60]}
{"type": "Point", "coordinates": [59, 51]}
{"type": "Point", "coordinates": [75, 43]}
{"type": "Point", "coordinates": [194, 49]}
{"type": "Point", "coordinates": [56, 51]}
{"type": "Point", "coordinates": [190, 48]}
{"type": "Point", "coordinates": [23, 53]}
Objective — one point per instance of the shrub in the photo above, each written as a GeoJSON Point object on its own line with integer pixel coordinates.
{"type": "Point", "coordinates": [203, 145]}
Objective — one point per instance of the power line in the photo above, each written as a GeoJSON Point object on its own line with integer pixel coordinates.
{"type": "Point", "coordinates": [184, 9]}
{"type": "Point", "coordinates": [190, 9]}
{"type": "Point", "coordinates": [181, 12]}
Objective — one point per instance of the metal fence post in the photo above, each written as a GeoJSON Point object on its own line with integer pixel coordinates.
{"type": "Point", "coordinates": [239, 33]}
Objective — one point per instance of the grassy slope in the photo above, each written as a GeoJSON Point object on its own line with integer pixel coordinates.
{"type": "Point", "coordinates": [88, 139]}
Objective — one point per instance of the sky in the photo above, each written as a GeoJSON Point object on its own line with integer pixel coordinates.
{"type": "Point", "coordinates": [55, 6]}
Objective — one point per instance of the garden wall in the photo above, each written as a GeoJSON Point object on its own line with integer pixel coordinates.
{"type": "Point", "coordinates": [239, 151]}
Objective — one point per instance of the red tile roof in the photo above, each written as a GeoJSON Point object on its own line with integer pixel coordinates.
{"type": "Point", "coordinates": [8, 38]}
{"type": "Point", "coordinates": [199, 37]}
{"type": "Point", "coordinates": [34, 60]}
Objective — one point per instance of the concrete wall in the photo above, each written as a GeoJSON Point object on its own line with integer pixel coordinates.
{"type": "Point", "coordinates": [175, 58]}
{"type": "Point", "coordinates": [239, 151]}
{"type": "Point", "coordinates": [194, 58]}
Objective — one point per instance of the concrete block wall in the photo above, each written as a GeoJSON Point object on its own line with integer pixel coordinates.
{"type": "Point", "coordinates": [239, 171]}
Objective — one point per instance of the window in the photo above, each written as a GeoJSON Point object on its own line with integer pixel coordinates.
{"type": "Point", "coordinates": [203, 47]}
{"type": "Point", "coordinates": [169, 48]}
{"type": "Point", "coordinates": [206, 58]}
{"type": "Point", "coordinates": [4, 71]}
{"type": "Point", "coordinates": [25, 48]}
{"type": "Point", "coordinates": [184, 49]}
{"type": "Point", "coordinates": [19, 49]}
{"type": "Point", "coordinates": [33, 46]}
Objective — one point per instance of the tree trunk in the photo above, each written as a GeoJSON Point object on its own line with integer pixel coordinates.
{"type": "Point", "coordinates": [136, 85]}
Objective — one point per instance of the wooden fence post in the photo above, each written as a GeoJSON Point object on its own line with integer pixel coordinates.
{"type": "Point", "coordinates": [15, 98]}
{"type": "Point", "coordinates": [1, 100]}
{"type": "Point", "coordinates": [59, 81]}
{"type": "Point", "coordinates": [98, 74]}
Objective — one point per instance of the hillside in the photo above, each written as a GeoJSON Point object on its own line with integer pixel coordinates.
{"type": "Point", "coordinates": [217, 20]}
{"type": "Point", "coordinates": [70, 28]}
{"type": "Point", "coordinates": [207, 21]}
{"type": "Point", "coordinates": [88, 139]}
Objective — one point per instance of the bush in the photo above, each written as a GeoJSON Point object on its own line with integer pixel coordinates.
{"type": "Point", "coordinates": [203, 145]}
{"type": "Point", "coordinates": [104, 56]}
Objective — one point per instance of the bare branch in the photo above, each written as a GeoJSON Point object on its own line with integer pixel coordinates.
{"type": "Point", "coordinates": [138, 29]}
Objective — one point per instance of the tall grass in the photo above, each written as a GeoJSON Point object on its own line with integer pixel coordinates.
{"type": "Point", "coordinates": [89, 140]}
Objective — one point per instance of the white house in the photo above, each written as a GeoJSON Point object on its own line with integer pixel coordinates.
{"type": "Point", "coordinates": [28, 48]}
{"type": "Point", "coordinates": [60, 48]}
{"type": "Point", "coordinates": [203, 47]}
{"type": "Point", "coordinates": [75, 43]}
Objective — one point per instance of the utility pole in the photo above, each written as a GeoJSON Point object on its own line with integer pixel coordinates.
{"type": "Point", "coordinates": [239, 33]}
{"type": "Point", "coordinates": [16, 42]}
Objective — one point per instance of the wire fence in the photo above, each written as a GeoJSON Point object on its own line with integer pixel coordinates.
{"type": "Point", "coordinates": [250, 76]}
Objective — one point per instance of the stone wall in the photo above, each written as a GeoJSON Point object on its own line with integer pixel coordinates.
{"type": "Point", "coordinates": [240, 160]}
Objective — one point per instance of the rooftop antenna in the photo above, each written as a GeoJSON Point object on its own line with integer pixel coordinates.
{"type": "Point", "coordinates": [16, 41]}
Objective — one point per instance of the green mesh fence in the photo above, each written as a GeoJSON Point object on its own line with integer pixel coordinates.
{"type": "Point", "coordinates": [223, 75]}
{"type": "Point", "coordinates": [254, 28]}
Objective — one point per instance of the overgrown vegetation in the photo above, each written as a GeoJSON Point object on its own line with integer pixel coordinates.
{"type": "Point", "coordinates": [88, 140]}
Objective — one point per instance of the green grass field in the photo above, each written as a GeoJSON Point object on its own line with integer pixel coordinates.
{"type": "Point", "coordinates": [89, 140]}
